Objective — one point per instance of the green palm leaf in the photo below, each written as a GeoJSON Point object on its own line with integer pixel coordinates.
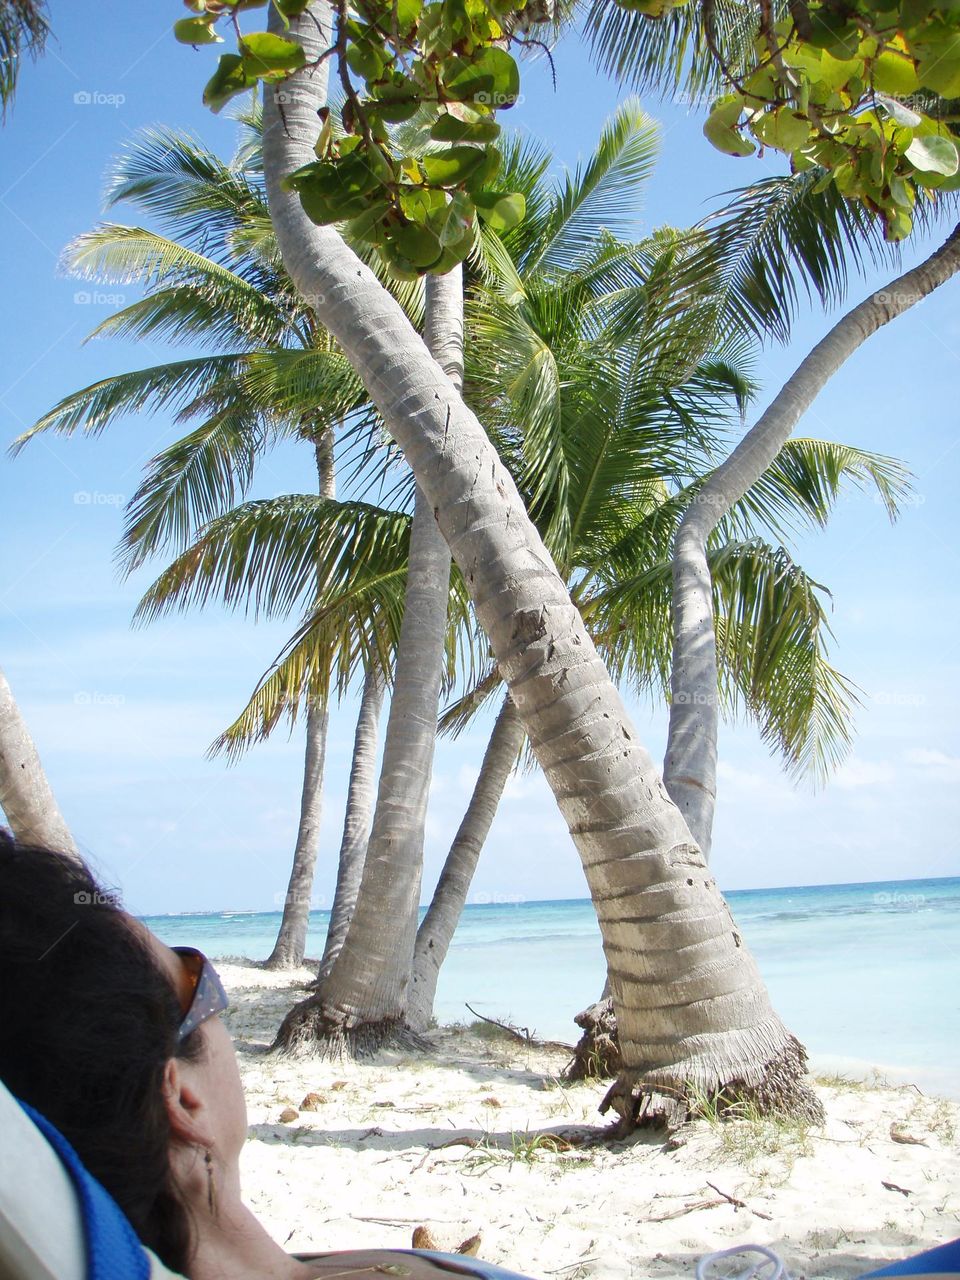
{"type": "Point", "coordinates": [802, 485]}
{"type": "Point", "coordinates": [604, 193]}
{"type": "Point", "coordinates": [273, 556]}
{"type": "Point", "coordinates": [174, 385]}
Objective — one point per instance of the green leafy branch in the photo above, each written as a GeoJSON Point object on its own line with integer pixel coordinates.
{"type": "Point", "coordinates": [445, 59]}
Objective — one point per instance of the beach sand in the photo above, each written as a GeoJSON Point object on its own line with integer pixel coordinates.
{"type": "Point", "coordinates": [459, 1141]}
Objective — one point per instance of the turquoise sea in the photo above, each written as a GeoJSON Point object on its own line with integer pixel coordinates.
{"type": "Point", "coordinates": [867, 975]}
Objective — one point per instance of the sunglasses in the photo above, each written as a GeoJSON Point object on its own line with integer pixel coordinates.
{"type": "Point", "coordinates": [201, 992]}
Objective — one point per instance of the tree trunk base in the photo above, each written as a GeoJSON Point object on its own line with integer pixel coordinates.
{"type": "Point", "coordinates": [597, 1055]}
{"type": "Point", "coordinates": [658, 1102]}
{"type": "Point", "coordinates": [277, 961]}
{"type": "Point", "coordinates": [310, 1030]}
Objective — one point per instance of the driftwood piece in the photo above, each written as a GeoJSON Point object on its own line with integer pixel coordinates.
{"type": "Point", "coordinates": [523, 1034]}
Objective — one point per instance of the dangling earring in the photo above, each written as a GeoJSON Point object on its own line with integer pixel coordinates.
{"type": "Point", "coordinates": [211, 1184]}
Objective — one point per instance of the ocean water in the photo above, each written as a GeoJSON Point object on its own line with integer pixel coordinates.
{"type": "Point", "coordinates": [866, 975]}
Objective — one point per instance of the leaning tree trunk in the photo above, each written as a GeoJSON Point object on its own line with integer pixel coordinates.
{"type": "Point", "coordinates": [291, 944]}
{"type": "Point", "coordinates": [357, 816]}
{"type": "Point", "coordinates": [691, 754]}
{"type": "Point", "coordinates": [446, 907]}
{"type": "Point", "coordinates": [362, 1003]}
{"type": "Point", "coordinates": [690, 762]}
{"type": "Point", "coordinates": [25, 794]}
{"type": "Point", "coordinates": [692, 1008]}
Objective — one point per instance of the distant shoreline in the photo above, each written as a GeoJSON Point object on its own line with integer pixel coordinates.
{"type": "Point", "coordinates": [509, 900]}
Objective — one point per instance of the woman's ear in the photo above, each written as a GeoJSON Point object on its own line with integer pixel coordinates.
{"type": "Point", "coordinates": [189, 1119]}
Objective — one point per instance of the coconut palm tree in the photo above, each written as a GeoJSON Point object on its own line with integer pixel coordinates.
{"type": "Point", "coordinates": [597, 360]}
{"type": "Point", "coordinates": [214, 281]}
{"type": "Point", "coordinates": [609, 451]}
{"type": "Point", "coordinates": [701, 1017]}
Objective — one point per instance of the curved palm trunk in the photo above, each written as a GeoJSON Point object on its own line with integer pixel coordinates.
{"type": "Point", "coordinates": [690, 762]}
{"type": "Point", "coordinates": [446, 907]}
{"type": "Point", "coordinates": [691, 1006]}
{"type": "Point", "coordinates": [691, 754]}
{"type": "Point", "coordinates": [25, 794]}
{"type": "Point", "coordinates": [291, 944]}
{"type": "Point", "coordinates": [356, 822]}
{"type": "Point", "coordinates": [362, 1003]}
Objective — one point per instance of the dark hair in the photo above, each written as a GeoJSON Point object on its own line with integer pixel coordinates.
{"type": "Point", "coordinates": [88, 1021]}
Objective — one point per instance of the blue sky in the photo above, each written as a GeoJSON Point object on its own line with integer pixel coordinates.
{"type": "Point", "coordinates": [123, 717]}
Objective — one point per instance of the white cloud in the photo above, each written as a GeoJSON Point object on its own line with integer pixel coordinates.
{"type": "Point", "coordinates": [857, 773]}
{"type": "Point", "coordinates": [945, 767]}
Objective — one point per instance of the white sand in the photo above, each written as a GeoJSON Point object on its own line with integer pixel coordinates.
{"type": "Point", "coordinates": [370, 1164]}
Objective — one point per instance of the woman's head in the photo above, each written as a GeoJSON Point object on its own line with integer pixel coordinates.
{"type": "Point", "coordinates": [89, 1017]}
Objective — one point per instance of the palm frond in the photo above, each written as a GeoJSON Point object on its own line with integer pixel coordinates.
{"type": "Point", "coordinates": [671, 53]}
{"type": "Point", "coordinates": [802, 485]}
{"type": "Point", "coordinates": [459, 714]}
{"type": "Point", "coordinates": [189, 189]}
{"type": "Point", "coordinates": [172, 385]}
{"type": "Point", "coordinates": [603, 193]}
{"type": "Point", "coordinates": [272, 556]}
{"type": "Point", "coordinates": [190, 297]}
{"type": "Point", "coordinates": [197, 478]}
{"type": "Point", "coordinates": [779, 241]}
{"type": "Point", "coordinates": [23, 31]}
{"type": "Point", "coordinates": [772, 642]}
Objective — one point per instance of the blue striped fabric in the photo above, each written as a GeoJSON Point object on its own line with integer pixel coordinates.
{"type": "Point", "coordinates": [113, 1250]}
{"type": "Point", "coordinates": [942, 1261]}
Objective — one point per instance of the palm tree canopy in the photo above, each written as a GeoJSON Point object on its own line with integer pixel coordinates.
{"type": "Point", "coordinates": [23, 30]}
{"type": "Point", "coordinates": [609, 370]}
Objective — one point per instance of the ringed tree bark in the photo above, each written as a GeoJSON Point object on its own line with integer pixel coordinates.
{"type": "Point", "coordinates": [291, 944]}
{"type": "Point", "coordinates": [361, 1004]}
{"type": "Point", "coordinates": [446, 906]}
{"type": "Point", "coordinates": [694, 1014]}
{"type": "Point", "coordinates": [690, 760]}
{"type": "Point", "coordinates": [357, 815]}
{"type": "Point", "coordinates": [25, 794]}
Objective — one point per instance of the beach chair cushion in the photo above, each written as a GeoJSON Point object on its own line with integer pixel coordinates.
{"type": "Point", "coordinates": [56, 1221]}
{"type": "Point", "coordinates": [941, 1263]}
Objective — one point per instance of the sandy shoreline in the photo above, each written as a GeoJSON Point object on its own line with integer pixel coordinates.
{"type": "Point", "coordinates": [378, 1157]}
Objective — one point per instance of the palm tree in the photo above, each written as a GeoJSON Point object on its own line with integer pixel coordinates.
{"type": "Point", "coordinates": [23, 30]}
{"type": "Point", "coordinates": [217, 280]}
{"type": "Point", "coordinates": [612, 447]}
{"type": "Point", "coordinates": [25, 794]}
{"type": "Point", "coordinates": [361, 1002]}
{"type": "Point", "coordinates": [705, 1020]}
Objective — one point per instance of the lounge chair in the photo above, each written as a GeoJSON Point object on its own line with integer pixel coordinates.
{"type": "Point", "coordinates": [58, 1223]}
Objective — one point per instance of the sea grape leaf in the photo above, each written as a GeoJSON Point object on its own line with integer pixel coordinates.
{"type": "Point", "coordinates": [196, 31]}
{"type": "Point", "coordinates": [230, 78]}
{"type": "Point", "coordinates": [452, 166]}
{"type": "Point", "coordinates": [934, 154]}
{"type": "Point", "coordinates": [500, 210]}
